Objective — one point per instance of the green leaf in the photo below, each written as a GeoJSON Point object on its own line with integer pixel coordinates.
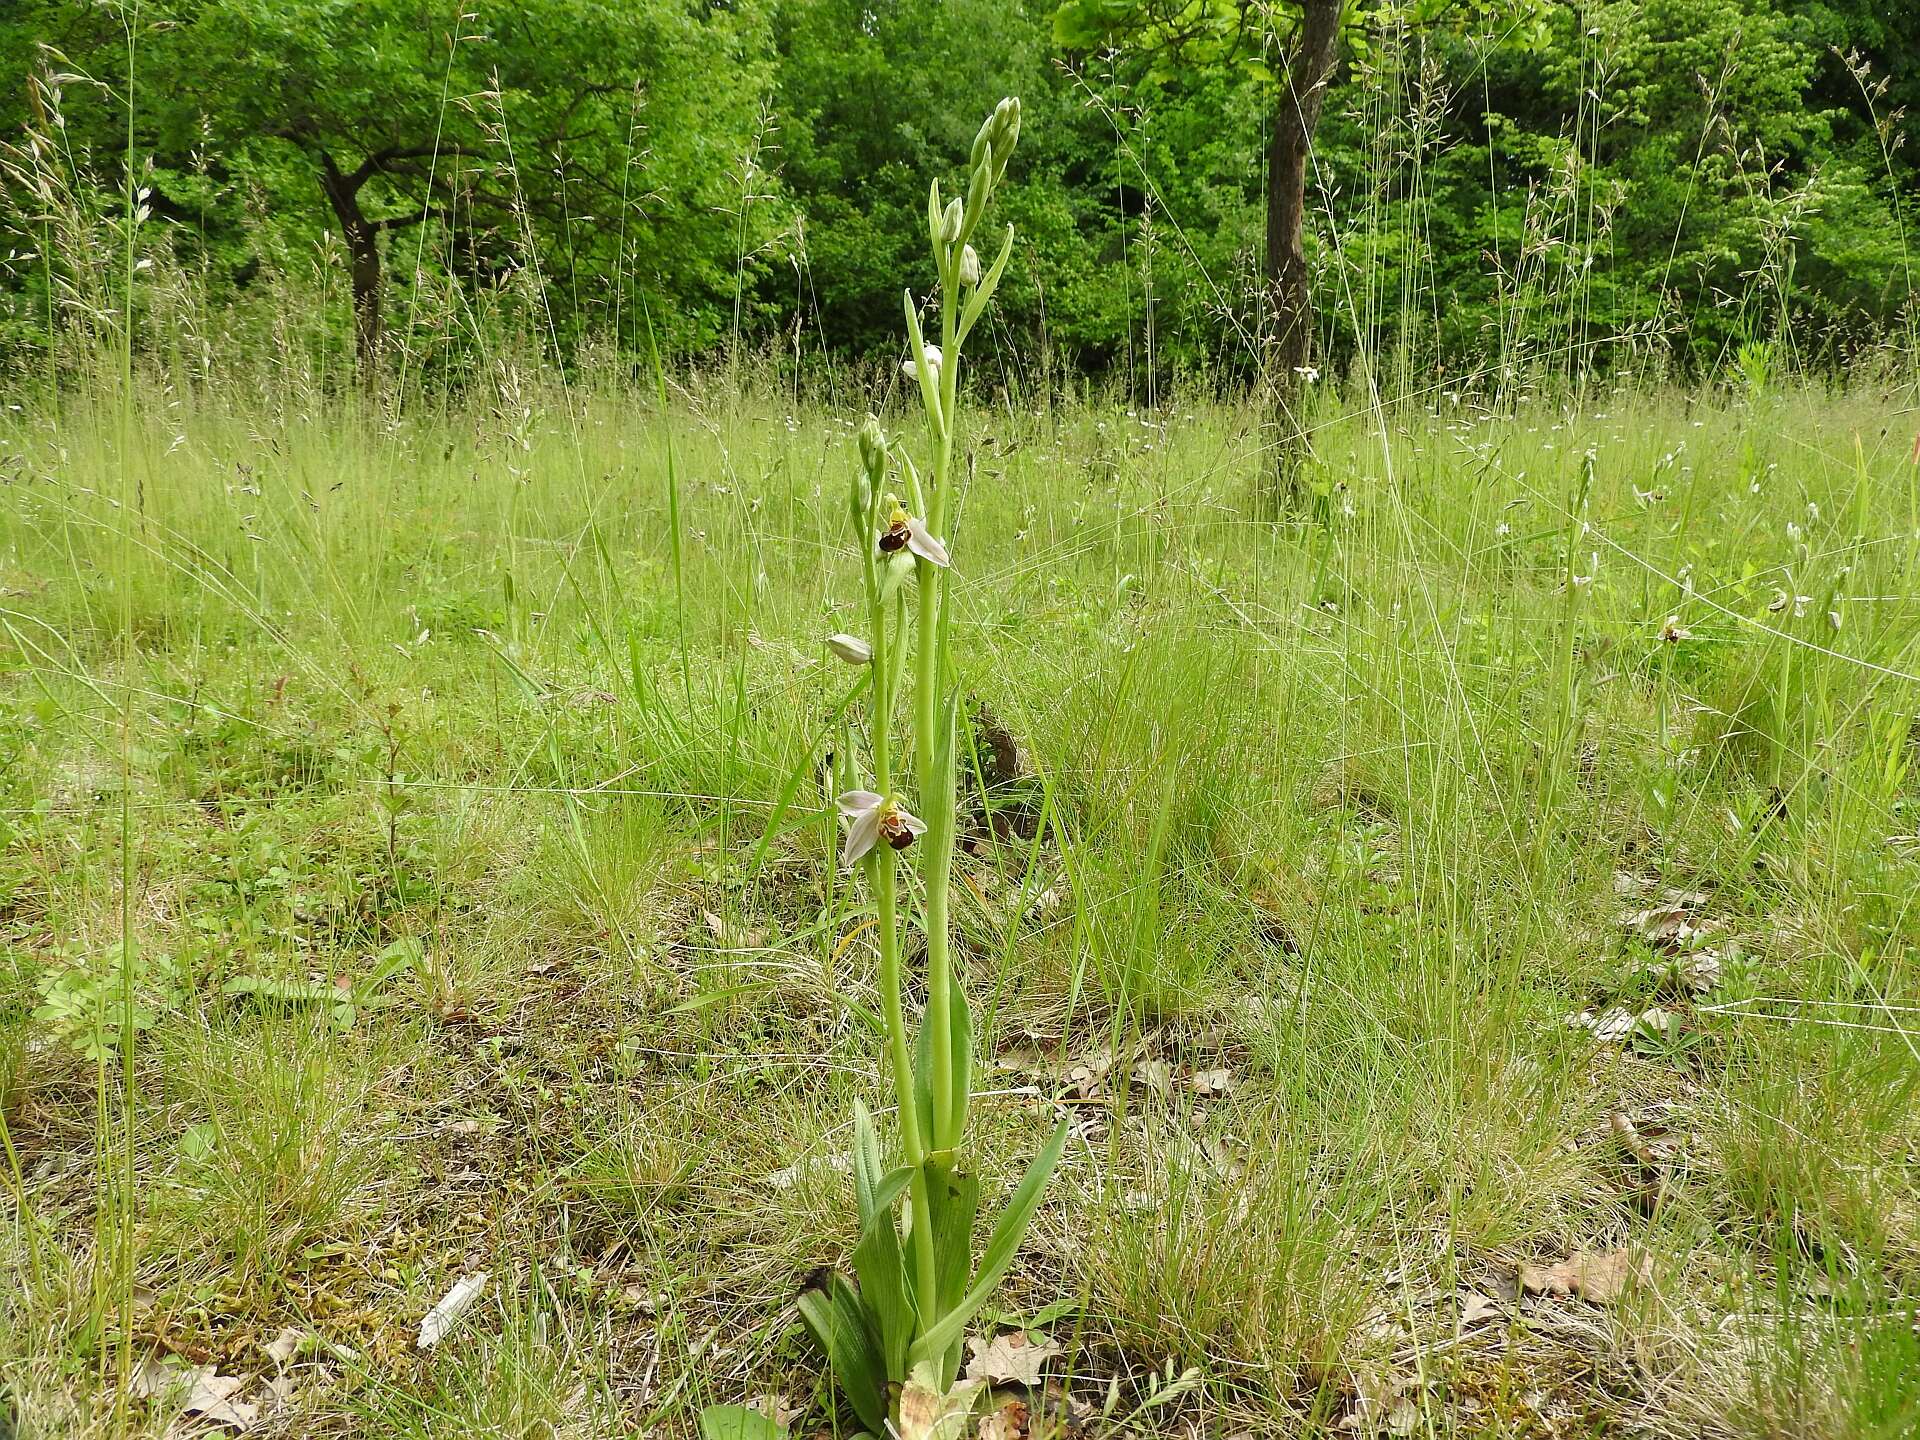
{"type": "Point", "coordinates": [845, 1332]}
{"type": "Point", "coordinates": [883, 1287]}
{"type": "Point", "coordinates": [737, 1422]}
{"type": "Point", "coordinates": [960, 1018]}
{"type": "Point", "coordinates": [866, 1161]}
{"type": "Point", "coordinates": [1002, 1246]}
{"type": "Point", "coordinates": [953, 1206]}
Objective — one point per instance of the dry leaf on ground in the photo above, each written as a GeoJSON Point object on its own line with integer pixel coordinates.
{"type": "Point", "coordinates": [284, 1346]}
{"type": "Point", "coordinates": [1009, 1422]}
{"type": "Point", "coordinates": [442, 1318]}
{"type": "Point", "coordinates": [1212, 1082]}
{"type": "Point", "coordinates": [1600, 1278]}
{"type": "Point", "coordinates": [1475, 1307]}
{"type": "Point", "coordinates": [1014, 1358]}
{"type": "Point", "coordinates": [198, 1390]}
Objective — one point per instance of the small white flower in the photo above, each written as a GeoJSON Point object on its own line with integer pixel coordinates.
{"type": "Point", "coordinates": [1309, 373]}
{"type": "Point", "coordinates": [872, 818]}
{"type": "Point", "coordinates": [1673, 632]}
{"type": "Point", "coordinates": [931, 353]}
{"type": "Point", "coordinates": [904, 532]}
{"type": "Point", "coordinates": [1502, 530]}
{"type": "Point", "coordinates": [851, 648]}
{"type": "Point", "coordinates": [1781, 599]}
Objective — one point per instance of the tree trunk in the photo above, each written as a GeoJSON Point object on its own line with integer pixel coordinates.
{"type": "Point", "coordinates": [363, 260]}
{"type": "Point", "coordinates": [1289, 297]}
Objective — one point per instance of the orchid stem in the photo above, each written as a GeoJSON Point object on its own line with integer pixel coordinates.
{"type": "Point", "coordinates": [886, 887]}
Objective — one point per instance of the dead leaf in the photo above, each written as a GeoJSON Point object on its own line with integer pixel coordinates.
{"type": "Point", "coordinates": [1475, 1307]}
{"type": "Point", "coordinates": [1382, 1405]}
{"type": "Point", "coordinates": [1212, 1082]}
{"type": "Point", "coordinates": [1672, 923]}
{"type": "Point", "coordinates": [442, 1318]}
{"type": "Point", "coordinates": [1156, 1075]}
{"type": "Point", "coordinates": [1598, 1278]}
{"type": "Point", "coordinates": [1009, 1422]}
{"type": "Point", "coordinates": [926, 1414]}
{"type": "Point", "coordinates": [198, 1390]}
{"type": "Point", "coordinates": [1013, 1359]}
{"type": "Point", "coordinates": [284, 1346]}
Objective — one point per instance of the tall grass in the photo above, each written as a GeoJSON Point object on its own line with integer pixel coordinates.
{"type": "Point", "coordinates": [1337, 805]}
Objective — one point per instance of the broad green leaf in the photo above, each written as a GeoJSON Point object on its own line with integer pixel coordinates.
{"type": "Point", "coordinates": [883, 1288]}
{"type": "Point", "coordinates": [1002, 1246]}
{"type": "Point", "coordinates": [953, 1205]}
{"type": "Point", "coordinates": [844, 1331]}
{"type": "Point", "coordinates": [737, 1422]}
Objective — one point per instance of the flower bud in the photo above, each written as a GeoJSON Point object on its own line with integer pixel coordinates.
{"type": "Point", "coordinates": [951, 222]}
{"type": "Point", "coordinates": [969, 266]}
{"type": "Point", "coordinates": [873, 450]}
{"type": "Point", "coordinates": [1006, 130]}
{"type": "Point", "coordinates": [851, 648]}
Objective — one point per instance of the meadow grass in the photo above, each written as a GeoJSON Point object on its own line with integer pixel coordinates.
{"type": "Point", "coordinates": [485, 914]}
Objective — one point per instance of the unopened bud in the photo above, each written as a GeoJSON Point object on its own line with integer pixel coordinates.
{"type": "Point", "coordinates": [1006, 129]}
{"type": "Point", "coordinates": [969, 266]}
{"type": "Point", "coordinates": [951, 222]}
{"type": "Point", "coordinates": [873, 450]}
{"type": "Point", "coordinates": [851, 648]}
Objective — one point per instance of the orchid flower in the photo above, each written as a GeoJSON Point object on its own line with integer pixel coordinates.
{"type": "Point", "coordinates": [904, 532]}
{"type": "Point", "coordinates": [874, 818]}
{"type": "Point", "coordinates": [931, 354]}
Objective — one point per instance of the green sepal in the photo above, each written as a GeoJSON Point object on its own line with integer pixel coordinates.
{"type": "Point", "coordinates": [983, 292]}
{"type": "Point", "coordinates": [936, 221]}
{"type": "Point", "coordinates": [977, 191]}
{"type": "Point", "coordinates": [929, 391]}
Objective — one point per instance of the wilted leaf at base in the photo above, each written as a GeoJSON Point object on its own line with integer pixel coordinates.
{"type": "Point", "coordinates": [928, 1414]}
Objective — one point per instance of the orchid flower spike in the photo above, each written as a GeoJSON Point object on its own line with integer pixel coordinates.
{"type": "Point", "coordinates": [933, 358]}
{"type": "Point", "coordinates": [872, 818]}
{"type": "Point", "coordinates": [903, 532]}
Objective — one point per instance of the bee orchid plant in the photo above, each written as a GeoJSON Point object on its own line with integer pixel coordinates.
{"type": "Point", "coordinates": [894, 1341]}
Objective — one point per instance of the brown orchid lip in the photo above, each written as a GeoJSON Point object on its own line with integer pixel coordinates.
{"type": "Point", "coordinates": [894, 538]}
{"type": "Point", "coordinates": [895, 831]}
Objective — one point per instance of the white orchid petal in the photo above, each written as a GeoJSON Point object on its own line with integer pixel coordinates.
{"type": "Point", "coordinates": [925, 544]}
{"type": "Point", "coordinates": [862, 836]}
{"type": "Point", "coordinates": [857, 802]}
{"type": "Point", "coordinates": [913, 822]}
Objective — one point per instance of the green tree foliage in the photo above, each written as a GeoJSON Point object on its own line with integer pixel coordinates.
{"type": "Point", "coordinates": [1649, 180]}
{"type": "Point", "coordinates": [580, 143]}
